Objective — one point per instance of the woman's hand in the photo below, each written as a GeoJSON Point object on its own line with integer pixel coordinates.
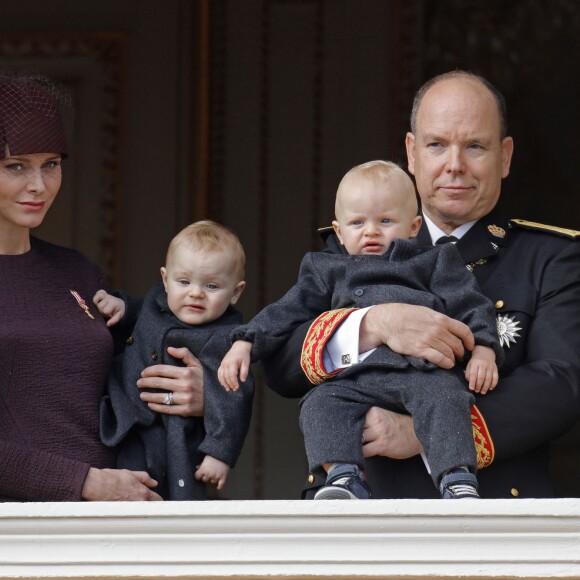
{"type": "Point", "coordinates": [119, 485]}
{"type": "Point", "coordinates": [184, 383]}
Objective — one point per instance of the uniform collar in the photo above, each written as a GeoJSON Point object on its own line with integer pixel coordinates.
{"type": "Point", "coordinates": [436, 232]}
{"type": "Point", "coordinates": [484, 238]}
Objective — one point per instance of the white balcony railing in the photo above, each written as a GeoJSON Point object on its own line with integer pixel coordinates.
{"type": "Point", "coordinates": [292, 539]}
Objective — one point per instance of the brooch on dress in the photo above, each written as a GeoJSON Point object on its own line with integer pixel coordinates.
{"type": "Point", "coordinates": [82, 304]}
{"type": "Point", "coordinates": [507, 330]}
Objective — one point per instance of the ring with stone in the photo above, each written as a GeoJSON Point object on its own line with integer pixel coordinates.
{"type": "Point", "coordinates": [168, 399]}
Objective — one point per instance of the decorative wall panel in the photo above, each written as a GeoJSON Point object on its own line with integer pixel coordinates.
{"type": "Point", "coordinates": [91, 66]}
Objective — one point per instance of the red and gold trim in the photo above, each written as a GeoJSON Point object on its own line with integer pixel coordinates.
{"type": "Point", "coordinates": [319, 333]}
{"type": "Point", "coordinates": [482, 438]}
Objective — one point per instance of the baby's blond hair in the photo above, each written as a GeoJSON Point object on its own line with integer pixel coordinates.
{"type": "Point", "coordinates": [210, 236]}
{"type": "Point", "coordinates": [378, 171]}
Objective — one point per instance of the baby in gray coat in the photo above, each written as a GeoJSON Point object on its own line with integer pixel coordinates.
{"type": "Point", "coordinates": [192, 308]}
{"type": "Point", "coordinates": [376, 219]}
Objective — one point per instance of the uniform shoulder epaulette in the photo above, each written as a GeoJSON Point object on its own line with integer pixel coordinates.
{"type": "Point", "coordinates": [545, 228]}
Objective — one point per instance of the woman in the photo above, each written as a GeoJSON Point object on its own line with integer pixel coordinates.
{"type": "Point", "coordinates": [55, 350]}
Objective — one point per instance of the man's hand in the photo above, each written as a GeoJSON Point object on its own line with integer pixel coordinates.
{"type": "Point", "coordinates": [110, 306]}
{"type": "Point", "coordinates": [119, 485]}
{"type": "Point", "coordinates": [186, 384]}
{"type": "Point", "coordinates": [389, 434]}
{"type": "Point", "coordinates": [416, 331]}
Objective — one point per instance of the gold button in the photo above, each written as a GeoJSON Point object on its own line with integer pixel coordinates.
{"type": "Point", "coordinates": [154, 356]}
{"type": "Point", "coordinates": [311, 478]}
{"type": "Point", "coordinates": [130, 340]}
{"type": "Point", "coordinates": [499, 304]}
{"type": "Point", "coordinates": [514, 492]}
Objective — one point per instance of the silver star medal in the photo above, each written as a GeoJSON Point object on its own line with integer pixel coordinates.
{"type": "Point", "coordinates": [507, 329]}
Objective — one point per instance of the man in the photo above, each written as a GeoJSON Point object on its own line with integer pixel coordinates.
{"type": "Point", "coordinates": [459, 152]}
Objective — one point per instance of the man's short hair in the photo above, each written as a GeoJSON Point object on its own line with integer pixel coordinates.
{"type": "Point", "coordinates": [462, 74]}
{"type": "Point", "coordinates": [207, 235]}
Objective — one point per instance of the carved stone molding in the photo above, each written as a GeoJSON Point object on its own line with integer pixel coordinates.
{"type": "Point", "coordinates": [410, 539]}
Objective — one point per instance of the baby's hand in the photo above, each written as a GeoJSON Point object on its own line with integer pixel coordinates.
{"type": "Point", "coordinates": [237, 360]}
{"type": "Point", "coordinates": [213, 470]}
{"type": "Point", "coordinates": [481, 371]}
{"type": "Point", "coordinates": [109, 306]}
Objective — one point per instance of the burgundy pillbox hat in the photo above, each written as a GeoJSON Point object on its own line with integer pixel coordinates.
{"type": "Point", "coordinates": [32, 113]}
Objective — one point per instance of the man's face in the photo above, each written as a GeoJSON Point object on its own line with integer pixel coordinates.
{"type": "Point", "coordinates": [456, 154]}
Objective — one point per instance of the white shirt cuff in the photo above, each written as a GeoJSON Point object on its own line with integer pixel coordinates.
{"type": "Point", "coordinates": [342, 349]}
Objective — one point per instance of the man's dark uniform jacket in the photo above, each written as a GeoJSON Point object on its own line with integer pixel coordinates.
{"type": "Point", "coordinates": [169, 447]}
{"type": "Point", "coordinates": [532, 275]}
